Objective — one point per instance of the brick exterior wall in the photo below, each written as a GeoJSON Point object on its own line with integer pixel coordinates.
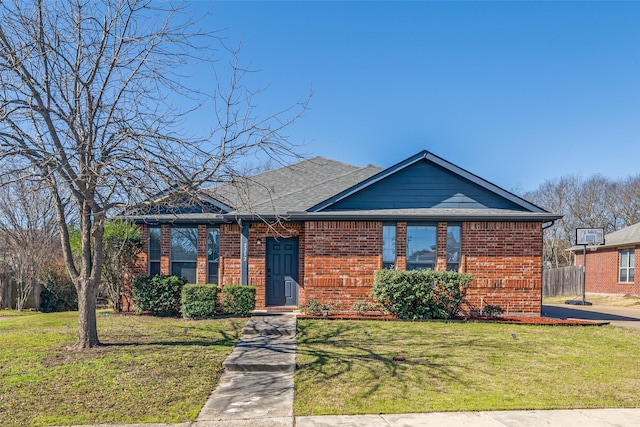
{"type": "Point", "coordinates": [229, 269]}
{"type": "Point", "coordinates": [258, 254]}
{"type": "Point", "coordinates": [340, 260]}
{"type": "Point", "coordinates": [602, 275]}
{"type": "Point", "coordinates": [141, 264]}
{"type": "Point", "coordinates": [506, 260]}
{"type": "Point", "coordinates": [165, 249]}
{"type": "Point", "coordinates": [337, 259]}
{"type": "Point", "coordinates": [201, 264]}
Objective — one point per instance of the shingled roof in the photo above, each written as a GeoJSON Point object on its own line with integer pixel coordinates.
{"type": "Point", "coordinates": [311, 190]}
{"type": "Point", "coordinates": [291, 188]}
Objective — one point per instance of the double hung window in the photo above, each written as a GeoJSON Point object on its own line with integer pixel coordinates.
{"type": "Point", "coordinates": [184, 252]}
{"type": "Point", "coordinates": [453, 247]}
{"type": "Point", "coordinates": [627, 266]}
{"type": "Point", "coordinates": [388, 246]}
{"type": "Point", "coordinates": [422, 244]}
{"type": "Point", "coordinates": [154, 251]}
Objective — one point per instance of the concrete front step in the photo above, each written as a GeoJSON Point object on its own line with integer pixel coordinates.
{"type": "Point", "coordinates": [257, 353]}
{"type": "Point", "coordinates": [271, 325]}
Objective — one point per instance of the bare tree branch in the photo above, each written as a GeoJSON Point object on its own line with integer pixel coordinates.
{"type": "Point", "coordinates": [92, 99]}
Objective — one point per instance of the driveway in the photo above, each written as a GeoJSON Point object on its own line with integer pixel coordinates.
{"type": "Point", "coordinates": [617, 316]}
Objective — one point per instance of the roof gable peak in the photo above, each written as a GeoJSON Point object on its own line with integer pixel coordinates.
{"type": "Point", "coordinates": [431, 158]}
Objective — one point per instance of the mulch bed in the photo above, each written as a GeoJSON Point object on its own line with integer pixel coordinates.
{"type": "Point", "coordinates": [522, 320]}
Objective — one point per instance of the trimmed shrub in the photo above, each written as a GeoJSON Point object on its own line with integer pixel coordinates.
{"type": "Point", "coordinates": [317, 308]}
{"type": "Point", "coordinates": [421, 294]}
{"type": "Point", "coordinates": [363, 307]}
{"type": "Point", "coordinates": [492, 310]}
{"type": "Point", "coordinates": [239, 300]}
{"type": "Point", "coordinates": [313, 307]}
{"type": "Point", "coordinates": [198, 301]}
{"type": "Point", "coordinates": [157, 294]}
{"type": "Point", "coordinates": [58, 292]}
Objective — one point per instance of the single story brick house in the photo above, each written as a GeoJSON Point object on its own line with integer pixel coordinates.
{"type": "Point", "coordinates": [611, 267]}
{"type": "Point", "coordinates": [319, 229]}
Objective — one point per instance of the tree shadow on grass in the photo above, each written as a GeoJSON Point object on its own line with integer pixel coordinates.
{"type": "Point", "coordinates": [350, 352]}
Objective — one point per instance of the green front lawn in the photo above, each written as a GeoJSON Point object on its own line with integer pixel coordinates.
{"type": "Point", "coordinates": [151, 370]}
{"type": "Point", "coordinates": [347, 367]}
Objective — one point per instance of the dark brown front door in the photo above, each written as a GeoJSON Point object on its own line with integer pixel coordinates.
{"type": "Point", "coordinates": [282, 272]}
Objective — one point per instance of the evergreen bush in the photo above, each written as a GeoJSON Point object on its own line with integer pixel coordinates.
{"type": "Point", "coordinates": [58, 292]}
{"type": "Point", "coordinates": [239, 300]}
{"type": "Point", "coordinates": [421, 294]}
{"type": "Point", "coordinates": [157, 294]}
{"type": "Point", "coordinates": [198, 301]}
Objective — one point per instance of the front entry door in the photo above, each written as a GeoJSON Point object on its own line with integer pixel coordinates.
{"type": "Point", "coordinates": [282, 272]}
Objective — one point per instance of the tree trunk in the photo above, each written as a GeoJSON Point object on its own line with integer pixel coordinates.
{"type": "Point", "coordinates": [87, 322]}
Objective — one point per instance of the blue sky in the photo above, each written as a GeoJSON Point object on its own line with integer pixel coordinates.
{"type": "Point", "coordinates": [515, 92]}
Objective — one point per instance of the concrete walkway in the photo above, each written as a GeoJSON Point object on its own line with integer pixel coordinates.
{"type": "Point", "coordinates": [617, 316]}
{"type": "Point", "coordinates": [256, 388]}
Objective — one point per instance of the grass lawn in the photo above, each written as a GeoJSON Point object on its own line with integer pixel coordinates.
{"type": "Point", "coordinates": [151, 370]}
{"type": "Point", "coordinates": [347, 367]}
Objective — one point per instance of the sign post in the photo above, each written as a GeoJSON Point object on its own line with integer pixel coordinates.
{"type": "Point", "coordinates": [586, 237]}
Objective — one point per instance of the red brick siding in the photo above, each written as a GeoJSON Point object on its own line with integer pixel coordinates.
{"type": "Point", "coordinates": [229, 269]}
{"type": "Point", "coordinates": [441, 239]}
{"type": "Point", "coordinates": [201, 265]}
{"type": "Point", "coordinates": [258, 255]}
{"type": "Point", "coordinates": [506, 260]}
{"type": "Point", "coordinates": [340, 259]}
{"type": "Point", "coordinates": [141, 263]}
{"type": "Point", "coordinates": [165, 249]}
{"type": "Point", "coordinates": [602, 273]}
{"type": "Point", "coordinates": [401, 246]}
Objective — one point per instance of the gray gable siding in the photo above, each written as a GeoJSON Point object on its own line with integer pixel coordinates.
{"type": "Point", "coordinates": [424, 185]}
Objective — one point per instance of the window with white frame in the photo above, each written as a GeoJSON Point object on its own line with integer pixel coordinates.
{"type": "Point", "coordinates": [626, 266]}
{"type": "Point", "coordinates": [184, 252]}
{"type": "Point", "coordinates": [422, 244]}
{"type": "Point", "coordinates": [388, 246]}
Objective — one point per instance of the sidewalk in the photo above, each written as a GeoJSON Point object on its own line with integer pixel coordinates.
{"type": "Point", "coordinates": [555, 418]}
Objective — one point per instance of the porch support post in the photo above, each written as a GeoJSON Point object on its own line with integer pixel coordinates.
{"type": "Point", "coordinates": [244, 253]}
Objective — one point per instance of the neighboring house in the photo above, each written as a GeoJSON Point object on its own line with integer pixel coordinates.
{"type": "Point", "coordinates": [611, 267]}
{"type": "Point", "coordinates": [319, 229]}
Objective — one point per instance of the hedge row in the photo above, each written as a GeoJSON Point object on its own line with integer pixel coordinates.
{"type": "Point", "coordinates": [171, 295]}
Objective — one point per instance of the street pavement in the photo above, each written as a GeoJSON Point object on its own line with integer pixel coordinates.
{"type": "Point", "coordinates": [617, 316]}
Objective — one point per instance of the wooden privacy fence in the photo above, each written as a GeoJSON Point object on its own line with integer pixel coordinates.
{"type": "Point", "coordinates": [563, 281]}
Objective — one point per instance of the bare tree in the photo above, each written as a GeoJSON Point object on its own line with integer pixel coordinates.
{"type": "Point", "coordinates": [87, 96]}
{"type": "Point", "coordinates": [30, 240]}
{"type": "Point", "coordinates": [595, 202]}
{"type": "Point", "coordinates": [627, 201]}
{"type": "Point", "coordinates": [122, 244]}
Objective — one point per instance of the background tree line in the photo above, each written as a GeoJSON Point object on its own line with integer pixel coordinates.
{"type": "Point", "coordinates": [591, 202]}
{"type": "Point", "coordinates": [31, 262]}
